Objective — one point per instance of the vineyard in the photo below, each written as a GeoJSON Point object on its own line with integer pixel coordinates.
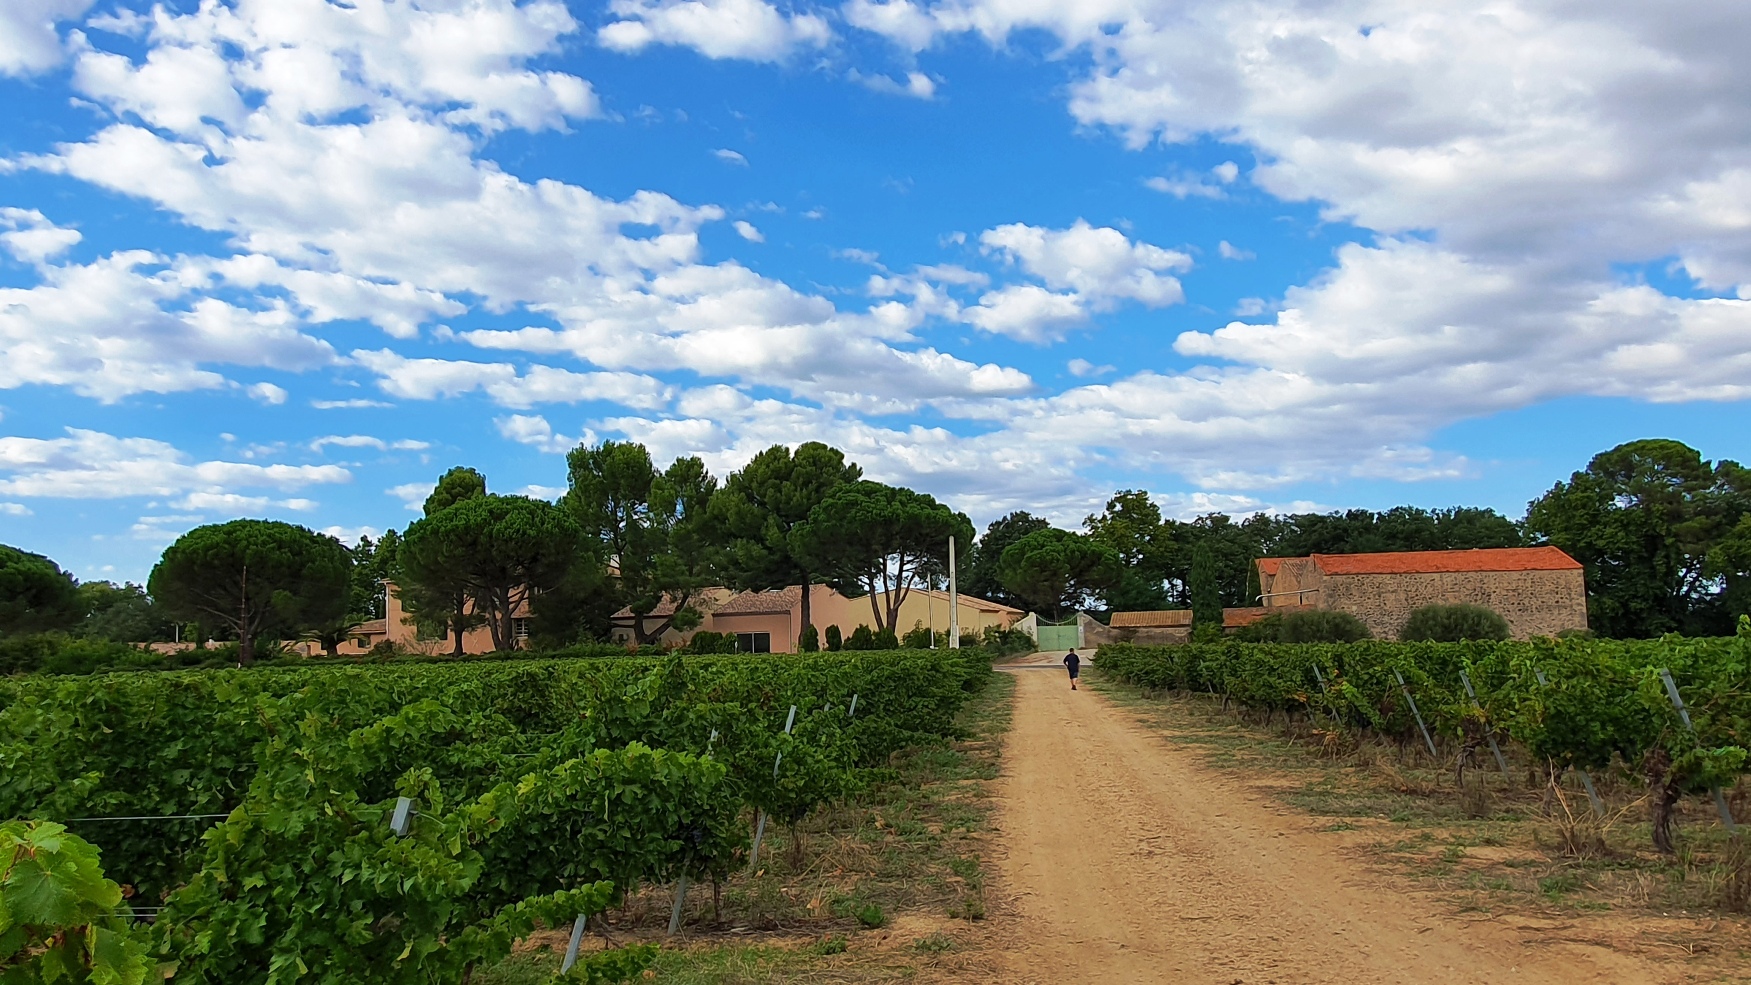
{"type": "Point", "coordinates": [408, 823]}
{"type": "Point", "coordinates": [1674, 713]}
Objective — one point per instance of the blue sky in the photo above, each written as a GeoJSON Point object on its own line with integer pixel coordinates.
{"type": "Point", "coordinates": [294, 259]}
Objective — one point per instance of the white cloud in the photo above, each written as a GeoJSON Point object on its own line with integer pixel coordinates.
{"type": "Point", "coordinates": [746, 29]}
{"type": "Point", "coordinates": [412, 494]}
{"type": "Point", "coordinates": [1082, 367]}
{"type": "Point", "coordinates": [747, 231]}
{"type": "Point", "coordinates": [533, 430]}
{"type": "Point", "coordinates": [1086, 267]}
{"type": "Point", "coordinates": [1097, 263]}
{"type": "Point", "coordinates": [29, 41]}
{"type": "Point", "coordinates": [267, 393]}
{"type": "Point", "coordinates": [351, 536]}
{"type": "Point", "coordinates": [31, 237]}
{"type": "Point", "coordinates": [1197, 185]}
{"type": "Point", "coordinates": [367, 441]}
{"type": "Point", "coordinates": [108, 329]}
{"type": "Point", "coordinates": [1507, 160]}
{"type": "Point", "coordinates": [1027, 312]}
{"type": "Point", "coordinates": [94, 465]}
{"type": "Point", "coordinates": [15, 509]}
{"type": "Point", "coordinates": [429, 379]}
{"type": "Point", "coordinates": [353, 404]}
{"type": "Point", "coordinates": [1228, 251]}
{"type": "Point", "coordinates": [917, 84]}
{"type": "Point", "coordinates": [730, 156]}
{"type": "Point", "coordinates": [235, 504]}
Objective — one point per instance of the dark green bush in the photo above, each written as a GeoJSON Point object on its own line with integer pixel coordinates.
{"type": "Point", "coordinates": [862, 638]}
{"type": "Point", "coordinates": [706, 641]}
{"type": "Point", "coordinates": [1453, 623]}
{"type": "Point", "coordinates": [916, 638]}
{"type": "Point", "coordinates": [886, 640]}
{"type": "Point", "coordinates": [835, 641]}
{"type": "Point", "coordinates": [810, 640]}
{"type": "Point", "coordinates": [1321, 626]}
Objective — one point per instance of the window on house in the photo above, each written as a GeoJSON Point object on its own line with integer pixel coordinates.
{"type": "Point", "coordinates": [754, 642]}
{"type": "Point", "coordinates": [520, 628]}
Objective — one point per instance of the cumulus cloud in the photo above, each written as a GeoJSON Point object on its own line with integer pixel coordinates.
{"type": "Point", "coordinates": [29, 40]}
{"type": "Point", "coordinates": [127, 323]}
{"type": "Point", "coordinates": [31, 237]}
{"type": "Point", "coordinates": [429, 379]}
{"type": "Point", "coordinates": [747, 231]}
{"type": "Point", "coordinates": [267, 393]}
{"type": "Point", "coordinates": [1228, 251]}
{"type": "Point", "coordinates": [1085, 267]}
{"type": "Point", "coordinates": [1506, 160]}
{"type": "Point", "coordinates": [94, 465]}
{"type": "Point", "coordinates": [745, 29]}
{"type": "Point", "coordinates": [533, 430]}
{"type": "Point", "coordinates": [730, 156]}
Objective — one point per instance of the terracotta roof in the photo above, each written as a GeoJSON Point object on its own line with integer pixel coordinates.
{"type": "Point", "coordinates": [371, 627]}
{"type": "Point", "coordinates": [1268, 565]}
{"type": "Point", "coordinates": [1433, 562]}
{"type": "Point", "coordinates": [1151, 619]}
{"type": "Point", "coordinates": [761, 603]}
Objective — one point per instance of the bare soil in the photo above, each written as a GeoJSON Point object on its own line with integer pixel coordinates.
{"type": "Point", "coordinates": [1123, 857]}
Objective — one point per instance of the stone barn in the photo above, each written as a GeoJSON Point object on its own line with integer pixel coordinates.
{"type": "Point", "coordinates": [1539, 590]}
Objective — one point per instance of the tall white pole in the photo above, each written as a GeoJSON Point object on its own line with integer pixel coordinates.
{"type": "Point", "coordinates": [954, 601]}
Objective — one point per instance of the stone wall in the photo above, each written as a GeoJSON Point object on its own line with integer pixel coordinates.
{"type": "Point", "coordinates": [1094, 634]}
{"type": "Point", "coordinates": [1535, 603]}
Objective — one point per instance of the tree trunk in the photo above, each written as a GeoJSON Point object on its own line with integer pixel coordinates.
{"type": "Point", "coordinates": [331, 645]}
{"type": "Point", "coordinates": [806, 622]}
{"type": "Point", "coordinates": [1657, 768]}
{"type": "Point", "coordinates": [245, 636]}
{"type": "Point", "coordinates": [460, 623]}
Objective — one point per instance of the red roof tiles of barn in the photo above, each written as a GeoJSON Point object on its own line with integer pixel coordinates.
{"type": "Point", "coordinates": [1268, 565]}
{"type": "Point", "coordinates": [1435, 562]}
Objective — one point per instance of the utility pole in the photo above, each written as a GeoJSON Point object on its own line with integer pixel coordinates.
{"type": "Point", "coordinates": [954, 601]}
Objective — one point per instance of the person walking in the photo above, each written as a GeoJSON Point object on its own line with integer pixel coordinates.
{"type": "Point", "coordinates": [1074, 663]}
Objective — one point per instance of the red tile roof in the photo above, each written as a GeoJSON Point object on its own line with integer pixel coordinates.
{"type": "Point", "coordinates": [1434, 562]}
{"type": "Point", "coordinates": [1268, 565]}
{"type": "Point", "coordinates": [1152, 619]}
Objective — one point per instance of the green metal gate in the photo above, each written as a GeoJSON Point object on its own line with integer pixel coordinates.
{"type": "Point", "coordinates": [1060, 637]}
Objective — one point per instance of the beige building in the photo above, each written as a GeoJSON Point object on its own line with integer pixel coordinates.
{"type": "Point", "coordinates": [398, 629]}
{"type": "Point", "coordinates": [1540, 590]}
{"type": "Point", "coordinates": [772, 621]}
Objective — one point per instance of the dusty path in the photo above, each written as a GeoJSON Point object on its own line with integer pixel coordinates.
{"type": "Point", "coordinates": [1131, 861]}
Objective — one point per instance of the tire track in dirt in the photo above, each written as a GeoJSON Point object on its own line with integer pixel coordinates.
{"type": "Point", "coordinates": [1129, 860]}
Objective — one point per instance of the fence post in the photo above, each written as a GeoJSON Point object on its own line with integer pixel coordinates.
{"type": "Point", "coordinates": [1465, 679]}
{"type": "Point", "coordinates": [1406, 691]}
{"type": "Point", "coordinates": [571, 950]}
{"type": "Point", "coordinates": [1684, 714]}
{"type": "Point", "coordinates": [853, 712]}
{"type": "Point", "coordinates": [680, 901]}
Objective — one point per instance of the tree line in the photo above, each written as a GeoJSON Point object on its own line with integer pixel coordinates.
{"type": "Point", "coordinates": [1664, 535]}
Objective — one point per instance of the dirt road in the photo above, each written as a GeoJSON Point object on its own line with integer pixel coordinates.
{"type": "Point", "coordinates": [1132, 862]}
